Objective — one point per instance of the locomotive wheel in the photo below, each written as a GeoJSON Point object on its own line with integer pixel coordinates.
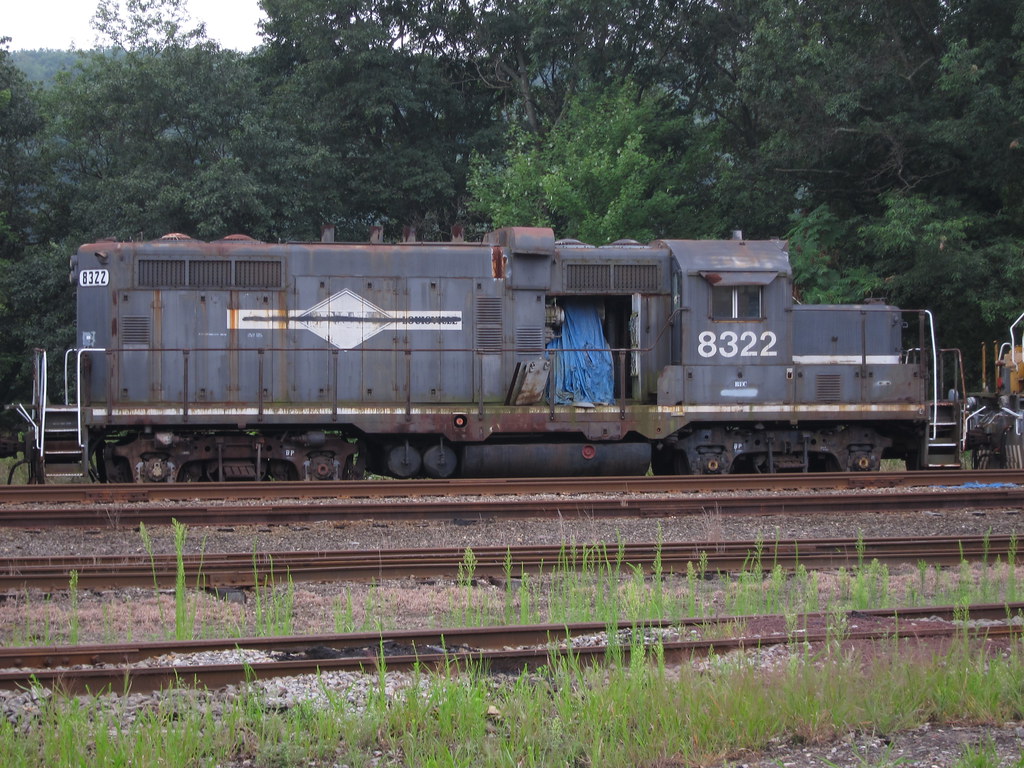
{"type": "Point", "coordinates": [668, 461]}
{"type": "Point", "coordinates": [439, 461]}
{"type": "Point", "coordinates": [982, 458]}
{"type": "Point", "coordinates": [355, 464]}
{"type": "Point", "coordinates": [116, 469]}
{"type": "Point", "coordinates": [403, 461]}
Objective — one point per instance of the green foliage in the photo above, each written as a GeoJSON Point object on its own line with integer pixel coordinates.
{"type": "Point", "coordinates": [21, 169]}
{"type": "Point", "coordinates": [36, 311]}
{"type": "Point", "coordinates": [935, 253]}
{"type": "Point", "coordinates": [146, 24]}
{"type": "Point", "coordinates": [274, 603]}
{"type": "Point", "coordinates": [149, 142]}
{"type": "Point", "coordinates": [388, 113]}
{"type": "Point", "coordinates": [599, 175]}
{"type": "Point", "coordinates": [817, 252]}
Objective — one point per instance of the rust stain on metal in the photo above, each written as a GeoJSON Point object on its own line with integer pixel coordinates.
{"type": "Point", "coordinates": [498, 262]}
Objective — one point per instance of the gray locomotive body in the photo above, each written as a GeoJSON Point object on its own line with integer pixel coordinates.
{"type": "Point", "coordinates": [519, 355]}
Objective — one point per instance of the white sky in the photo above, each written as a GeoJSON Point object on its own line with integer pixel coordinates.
{"type": "Point", "coordinates": [61, 23]}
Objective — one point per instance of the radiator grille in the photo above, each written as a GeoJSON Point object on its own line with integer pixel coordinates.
{"type": "Point", "coordinates": [637, 278]}
{"type": "Point", "coordinates": [258, 274]}
{"type": "Point", "coordinates": [529, 342]}
{"type": "Point", "coordinates": [162, 273]}
{"type": "Point", "coordinates": [828, 387]}
{"type": "Point", "coordinates": [611, 278]}
{"type": "Point", "coordinates": [488, 332]}
{"type": "Point", "coordinates": [135, 330]}
{"type": "Point", "coordinates": [588, 278]}
{"type": "Point", "coordinates": [209, 274]}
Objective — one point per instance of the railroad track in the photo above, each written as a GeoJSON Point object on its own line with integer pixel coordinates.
{"type": "Point", "coordinates": [110, 667]}
{"type": "Point", "coordinates": [244, 570]}
{"type": "Point", "coordinates": [353, 489]}
{"type": "Point", "coordinates": [471, 508]}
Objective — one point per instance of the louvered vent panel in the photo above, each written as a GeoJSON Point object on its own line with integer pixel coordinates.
{"type": "Point", "coordinates": [209, 274]}
{"type": "Point", "coordinates": [636, 278]}
{"type": "Point", "coordinates": [529, 342]}
{"type": "Point", "coordinates": [488, 335]}
{"type": "Point", "coordinates": [135, 330]}
{"type": "Point", "coordinates": [258, 274]}
{"type": "Point", "coordinates": [828, 387]}
{"type": "Point", "coordinates": [162, 273]}
{"type": "Point", "coordinates": [588, 278]}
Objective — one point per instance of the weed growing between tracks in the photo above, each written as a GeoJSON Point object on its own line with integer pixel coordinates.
{"type": "Point", "coordinates": [584, 584]}
{"type": "Point", "coordinates": [593, 583]}
{"type": "Point", "coordinates": [184, 608]}
{"type": "Point", "coordinates": [73, 608]}
{"type": "Point", "coordinates": [273, 608]}
{"type": "Point", "coordinates": [641, 713]}
{"type": "Point", "coordinates": [373, 612]}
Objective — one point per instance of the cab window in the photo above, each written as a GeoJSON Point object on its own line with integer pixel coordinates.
{"type": "Point", "coordinates": [736, 302]}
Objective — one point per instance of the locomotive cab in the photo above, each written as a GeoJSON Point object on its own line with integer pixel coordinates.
{"type": "Point", "coordinates": [771, 386]}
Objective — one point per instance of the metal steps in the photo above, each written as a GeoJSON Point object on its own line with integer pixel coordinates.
{"type": "Point", "coordinates": [944, 441]}
{"type": "Point", "coordinates": [62, 455]}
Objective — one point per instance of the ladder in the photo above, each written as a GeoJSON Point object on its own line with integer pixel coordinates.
{"type": "Point", "coordinates": [60, 453]}
{"type": "Point", "coordinates": [944, 441]}
{"type": "Point", "coordinates": [58, 446]}
{"type": "Point", "coordinates": [947, 428]}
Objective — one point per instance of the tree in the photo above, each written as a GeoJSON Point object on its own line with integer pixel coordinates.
{"type": "Point", "coordinates": [154, 141]}
{"type": "Point", "coordinates": [37, 312]}
{"type": "Point", "coordinates": [819, 254]}
{"type": "Point", "coordinates": [42, 65]}
{"type": "Point", "coordinates": [389, 113]}
{"type": "Point", "coordinates": [946, 264]}
{"type": "Point", "coordinates": [602, 174]}
{"type": "Point", "coordinates": [26, 317]}
{"type": "Point", "coordinates": [146, 24]}
{"type": "Point", "coordinates": [21, 175]}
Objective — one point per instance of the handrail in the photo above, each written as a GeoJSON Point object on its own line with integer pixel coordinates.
{"type": "Point", "coordinates": [67, 354]}
{"type": "Point", "coordinates": [935, 375]}
{"type": "Point", "coordinates": [78, 388]}
{"type": "Point", "coordinates": [972, 415]}
{"type": "Point", "coordinates": [1017, 417]}
{"type": "Point", "coordinates": [26, 416]}
{"type": "Point", "coordinates": [1003, 346]}
{"type": "Point", "coordinates": [43, 395]}
{"type": "Point", "coordinates": [935, 369]}
{"type": "Point", "coordinates": [1013, 345]}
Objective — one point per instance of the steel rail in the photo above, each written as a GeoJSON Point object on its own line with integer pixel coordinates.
{"type": "Point", "coordinates": [129, 493]}
{"type": "Point", "coordinates": [243, 570]}
{"type": "Point", "coordinates": [445, 649]}
{"type": "Point", "coordinates": [468, 509]}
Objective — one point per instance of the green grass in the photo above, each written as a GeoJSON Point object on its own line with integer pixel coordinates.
{"type": "Point", "coordinates": [20, 476]}
{"type": "Point", "coordinates": [273, 605]}
{"type": "Point", "coordinates": [591, 584]}
{"type": "Point", "coordinates": [630, 713]}
{"type": "Point", "coordinates": [638, 714]}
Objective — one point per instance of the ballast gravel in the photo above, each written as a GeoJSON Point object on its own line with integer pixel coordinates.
{"type": "Point", "coordinates": [710, 525]}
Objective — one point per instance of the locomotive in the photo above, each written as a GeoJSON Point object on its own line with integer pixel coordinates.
{"type": "Point", "coordinates": [994, 434]}
{"type": "Point", "coordinates": [517, 355]}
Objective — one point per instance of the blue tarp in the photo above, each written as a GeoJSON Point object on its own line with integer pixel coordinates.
{"type": "Point", "coordinates": [582, 372]}
{"type": "Point", "coordinates": [978, 485]}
